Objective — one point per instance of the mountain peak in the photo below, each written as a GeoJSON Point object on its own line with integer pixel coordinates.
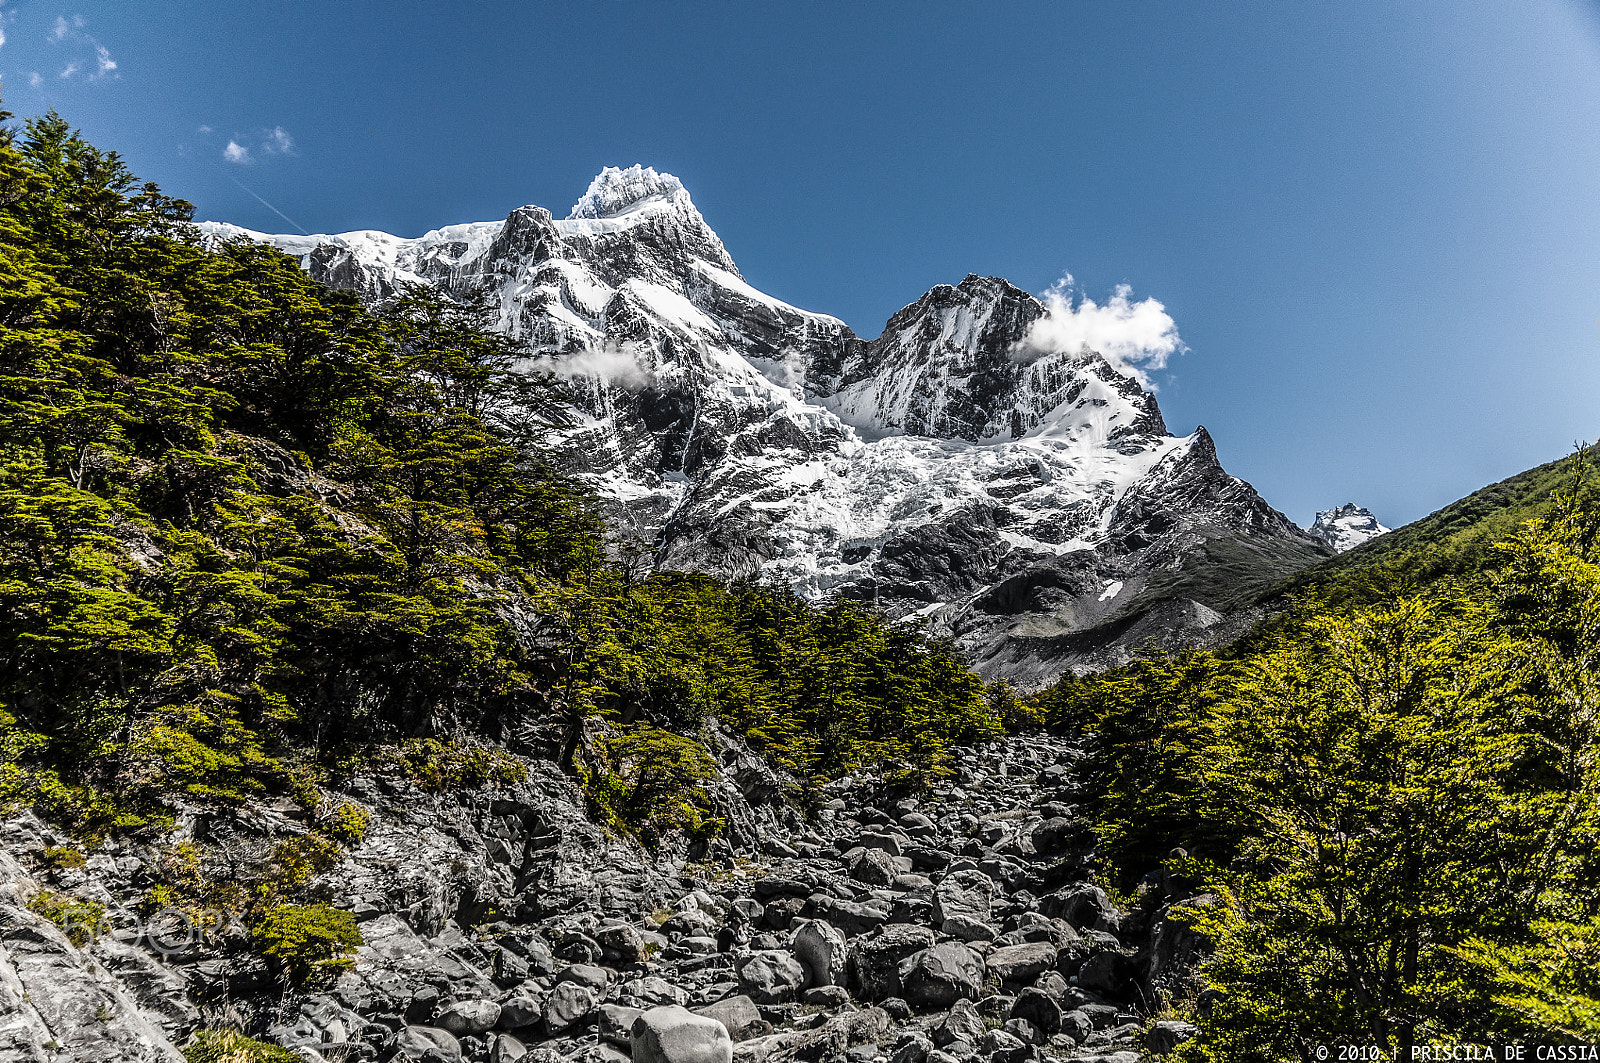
{"type": "Point", "coordinates": [1346, 527]}
{"type": "Point", "coordinates": [615, 192]}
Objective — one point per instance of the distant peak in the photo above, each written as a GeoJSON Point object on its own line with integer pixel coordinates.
{"type": "Point", "coordinates": [1346, 527]}
{"type": "Point", "coordinates": [616, 191]}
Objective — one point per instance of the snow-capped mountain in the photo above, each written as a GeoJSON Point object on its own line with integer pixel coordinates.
{"type": "Point", "coordinates": [1346, 527]}
{"type": "Point", "coordinates": [1029, 503]}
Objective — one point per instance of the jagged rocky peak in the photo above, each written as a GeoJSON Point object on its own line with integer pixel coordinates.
{"type": "Point", "coordinates": [963, 467]}
{"type": "Point", "coordinates": [615, 192]}
{"type": "Point", "coordinates": [1346, 527]}
{"type": "Point", "coordinates": [960, 363]}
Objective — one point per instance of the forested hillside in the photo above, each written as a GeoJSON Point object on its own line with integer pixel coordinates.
{"type": "Point", "coordinates": [1457, 542]}
{"type": "Point", "coordinates": [252, 534]}
{"type": "Point", "coordinates": [1383, 808]}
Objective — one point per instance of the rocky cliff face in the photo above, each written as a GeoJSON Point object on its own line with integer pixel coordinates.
{"type": "Point", "coordinates": [1030, 503]}
{"type": "Point", "coordinates": [500, 925]}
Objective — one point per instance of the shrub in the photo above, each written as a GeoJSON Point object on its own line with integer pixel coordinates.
{"type": "Point", "coordinates": [61, 857]}
{"type": "Point", "coordinates": [229, 1046]}
{"type": "Point", "coordinates": [306, 941]}
{"type": "Point", "coordinates": [295, 860]}
{"type": "Point", "coordinates": [81, 921]}
{"type": "Point", "coordinates": [651, 783]}
{"type": "Point", "coordinates": [158, 898]}
{"type": "Point", "coordinates": [348, 823]}
{"type": "Point", "coordinates": [437, 767]}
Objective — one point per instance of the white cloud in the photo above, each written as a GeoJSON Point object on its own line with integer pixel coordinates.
{"type": "Point", "coordinates": [71, 31]}
{"type": "Point", "coordinates": [276, 141]}
{"type": "Point", "coordinates": [237, 154]}
{"type": "Point", "coordinates": [205, 129]}
{"type": "Point", "coordinates": [1135, 337]}
{"type": "Point", "coordinates": [35, 79]}
{"type": "Point", "coordinates": [614, 363]}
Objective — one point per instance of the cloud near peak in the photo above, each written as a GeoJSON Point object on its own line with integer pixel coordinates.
{"type": "Point", "coordinates": [1135, 337]}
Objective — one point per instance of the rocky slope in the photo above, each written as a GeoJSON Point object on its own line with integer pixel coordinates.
{"type": "Point", "coordinates": [1026, 500]}
{"type": "Point", "coordinates": [501, 925]}
{"type": "Point", "coordinates": [1345, 527]}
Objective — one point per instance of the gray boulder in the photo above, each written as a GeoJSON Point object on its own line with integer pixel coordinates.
{"type": "Point", "coordinates": [967, 893]}
{"type": "Point", "coordinates": [739, 1016]}
{"type": "Point", "coordinates": [1077, 1024]}
{"type": "Point", "coordinates": [469, 1016]}
{"type": "Point", "coordinates": [568, 1004]}
{"type": "Point", "coordinates": [938, 977]}
{"type": "Point", "coordinates": [875, 962]}
{"type": "Point", "coordinates": [1107, 973]}
{"type": "Point", "coordinates": [820, 948]}
{"type": "Point", "coordinates": [872, 866]}
{"type": "Point", "coordinates": [651, 992]}
{"type": "Point", "coordinates": [522, 1008]}
{"type": "Point", "coordinates": [623, 943]}
{"type": "Point", "coordinates": [1083, 907]}
{"type": "Point", "coordinates": [771, 976]}
{"type": "Point", "coordinates": [852, 917]}
{"type": "Point", "coordinates": [693, 923]}
{"type": "Point", "coordinates": [1165, 1036]}
{"type": "Point", "coordinates": [1052, 836]}
{"type": "Point", "coordinates": [616, 1023]}
{"type": "Point", "coordinates": [677, 1035]}
{"type": "Point", "coordinates": [1021, 963]}
{"type": "Point", "coordinates": [961, 1023]}
{"type": "Point", "coordinates": [969, 929]}
{"type": "Point", "coordinates": [507, 1049]}
{"type": "Point", "coordinates": [1038, 1009]}
{"type": "Point", "coordinates": [415, 1042]}
{"type": "Point", "coordinates": [912, 1047]}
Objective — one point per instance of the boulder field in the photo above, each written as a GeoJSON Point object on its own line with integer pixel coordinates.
{"type": "Point", "coordinates": [960, 924]}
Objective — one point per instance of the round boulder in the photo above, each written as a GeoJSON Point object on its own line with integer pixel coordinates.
{"type": "Point", "coordinates": [940, 976]}
{"type": "Point", "coordinates": [875, 962]}
{"type": "Point", "coordinates": [415, 1042]}
{"type": "Point", "coordinates": [771, 976]}
{"type": "Point", "coordinates": [567, 1005]}
{"type": "Point", "coordinates": [623, 943]}
{"type": "Point", "coordinates": [469, 1016]}
{"type": "Point", "coordinates": [820, 948]}
{"type": "Point", "coordinates": [1038, 1010]}
{"type": "Point", "coordinates": [677, 1035]}
{"type": "Point", "coordinates": [1052, 836]}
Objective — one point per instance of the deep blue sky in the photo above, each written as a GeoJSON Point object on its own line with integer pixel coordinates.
{"type": "Point", "coordinates": [1377, 226]}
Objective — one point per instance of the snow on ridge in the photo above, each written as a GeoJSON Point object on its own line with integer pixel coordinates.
{"type": "Point", "coordinates": [615, 192]}
{"type": "Point", "coordinates": [1346, 527]}
{"type": "Point", "coordinates": [373, 247]}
